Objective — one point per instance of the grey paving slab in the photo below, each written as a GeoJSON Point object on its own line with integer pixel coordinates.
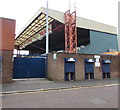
{"type": "Point", "coordinates": [32, 84]}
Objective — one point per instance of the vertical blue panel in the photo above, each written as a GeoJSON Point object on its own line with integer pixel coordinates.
{"type": "Point", "coordinates": [89, 67]}
{"type": "Point", "coordinates": [37, 68]}
{"type": "Point", "coordinates": [20, 68]}
{"type": "Point", "coordinates": [29, 68]}
{"type": "Point", "coordinates": [69, 67]}
{"type": "Point", "coordinates": [106, 67]}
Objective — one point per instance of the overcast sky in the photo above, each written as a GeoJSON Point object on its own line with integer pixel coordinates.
{"type": "Point", "coordinates": [104, 11]}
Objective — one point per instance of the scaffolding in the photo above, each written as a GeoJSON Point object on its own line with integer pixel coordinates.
{"type": "Point", "coordinates": [70, 32]}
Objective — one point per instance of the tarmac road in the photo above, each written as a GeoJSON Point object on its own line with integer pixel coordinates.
{"type": "Point", "coordinates": [84, 97]}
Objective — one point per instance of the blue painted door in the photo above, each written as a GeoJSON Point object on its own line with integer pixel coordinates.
{"type": "Point", "coordinates": [69, 67]}
{"type": "Point", "coordinates": [89, 67]}
{"type": "Point", "coordinates": [69, 70]}
{"type": "Point", "coordinates": [29, 67]}
{"type": "Point", "coordinates": [106, 67]}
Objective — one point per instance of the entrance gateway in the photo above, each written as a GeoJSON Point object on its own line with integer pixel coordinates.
{"type": "Point", "coordinates": [106, 69]}
{"type": "Point", "coordinates": [69, 69]}
{"type": "Point", "coordinates": [89, 69]}
{"type": "Point", "coordinates": [27, 67]}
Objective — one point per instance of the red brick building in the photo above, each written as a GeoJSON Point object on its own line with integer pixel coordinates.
{"type": "Point", "coordinates": [7, 37]}
{"type": "Point", "coordinates": [56, 66]}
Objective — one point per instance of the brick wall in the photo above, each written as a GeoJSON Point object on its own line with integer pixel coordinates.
{"type": "Point", "coordinates": [119, 66]}
{"type": "Point", "coordinates": [55, 68]}
{"type": "Point", "coordinates": [7, 66]}
{"type": "Point", "coordinates": [7, 38]}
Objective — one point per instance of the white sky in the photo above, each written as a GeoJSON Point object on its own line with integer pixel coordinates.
{"type": "Point", "coordinates": [104, 11]}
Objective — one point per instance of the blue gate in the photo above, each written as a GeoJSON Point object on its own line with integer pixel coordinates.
{"type": "Point", "coordinates": [89, 68]}
{"type": "Point", "coordinates": [106, 68]}
{"type": "Point", "coordinates": [25, 67]}
{"type": "Point", "coordinates": [69, 69]}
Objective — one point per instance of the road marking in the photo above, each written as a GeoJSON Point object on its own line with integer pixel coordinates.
{"type": "Point", "coordinates": [39, 91]}
{"type": "Point", "coordinates": [54, 90]}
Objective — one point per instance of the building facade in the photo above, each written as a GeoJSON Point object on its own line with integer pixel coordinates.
{"type": "Point", "coordinates": [100, 42]}
{"type": "Point", "coordinates": [92, 37]}
{"type": "Point", "coordinates": [61, 64]}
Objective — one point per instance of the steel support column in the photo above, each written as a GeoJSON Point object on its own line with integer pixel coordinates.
{"type": "Point", "coordinates": [73, 34]}
{"type": "Point", "coordinates": [70, 32]}
{"type": "Point", "coordinates": [67, 31]}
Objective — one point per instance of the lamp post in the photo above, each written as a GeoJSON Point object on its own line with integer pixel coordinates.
{"type": "Point", "coordinates": [47, 34]}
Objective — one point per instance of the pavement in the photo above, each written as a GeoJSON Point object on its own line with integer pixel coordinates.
{"type": "Point", "coordinates": [42, 84]}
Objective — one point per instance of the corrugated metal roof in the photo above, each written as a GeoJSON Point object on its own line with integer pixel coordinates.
{"type": "Point", "coordinates": [38, 23]}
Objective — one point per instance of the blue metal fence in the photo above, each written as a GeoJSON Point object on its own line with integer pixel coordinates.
{"type": "Point", "coordinates": [25, 67]}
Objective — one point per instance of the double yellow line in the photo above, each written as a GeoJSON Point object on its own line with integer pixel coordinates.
{"type": "Point", "coordinates": [54, 90]}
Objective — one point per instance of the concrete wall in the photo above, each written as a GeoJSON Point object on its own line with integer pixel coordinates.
{"type": "Point", "coordinates": [7, 38]}
{"type": "Point", "coordinates": [100, 42]}
{"type": "Point", "coordinates": [55, 68]}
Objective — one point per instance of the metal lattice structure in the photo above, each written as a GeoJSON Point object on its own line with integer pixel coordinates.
{"type": "Point", "coordinates": [34, 31]}
{"type": "Point", "coordinates": [30, 33]}
{"type": "Point", "coordinates": [70, 32]}
{"type": "Point", "coordinates": [67, 34]}
{"type": "Point", "coordinates": [73, 33]}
